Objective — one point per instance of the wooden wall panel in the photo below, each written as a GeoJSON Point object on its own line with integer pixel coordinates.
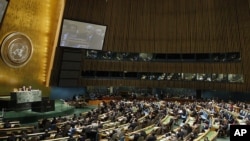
{"type": "Point", "coordinates": [244, 40]}
{"type": "Point", "coordinates": [171, 26]}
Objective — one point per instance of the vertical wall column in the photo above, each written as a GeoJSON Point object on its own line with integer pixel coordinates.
{"type": "Point", "coordinates": [198, 93]}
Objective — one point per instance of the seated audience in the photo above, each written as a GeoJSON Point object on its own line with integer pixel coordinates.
{"type": "Point", "coordinates": [151, 137]}
{"type": "Point", "coordinates": [7, 124]}
{"type": "Point", "coordinates": [46, 135]}
{"type": "Point", "coordinates": [24, 136]}
{"type": "Point", "coordinates": [12, 137]}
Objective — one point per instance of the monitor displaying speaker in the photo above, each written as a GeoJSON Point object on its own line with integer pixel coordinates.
{"type": "Point", "coordinates": [83, 35]}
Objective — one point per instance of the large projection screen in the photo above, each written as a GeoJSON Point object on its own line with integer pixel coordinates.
{"type": "Point", "coordinates": [76, 34]}
{"type": "Point", "coordinates": [3, 6]}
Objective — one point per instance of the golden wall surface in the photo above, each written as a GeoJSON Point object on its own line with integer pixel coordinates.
{"type": "Point", "coordinates": [40, 21]}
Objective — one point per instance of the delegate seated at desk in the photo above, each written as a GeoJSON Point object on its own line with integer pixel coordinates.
{"type": "Point", "coordinates": [7, 124]}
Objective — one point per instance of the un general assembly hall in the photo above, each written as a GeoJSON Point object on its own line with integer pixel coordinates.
{"type": "Point", "coordinates": [124, 70]}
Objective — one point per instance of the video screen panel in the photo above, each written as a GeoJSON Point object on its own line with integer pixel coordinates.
{"type": "Point", "coordinates": [3, 6]}
{"type": "Point", "coordinates": [76, 34]}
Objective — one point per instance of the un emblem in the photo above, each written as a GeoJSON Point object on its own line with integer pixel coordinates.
{"type": "Point", "coordinates": [16, 49]}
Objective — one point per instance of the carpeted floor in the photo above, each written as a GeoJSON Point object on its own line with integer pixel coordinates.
{"type": "Point", "coordinates": [223, 139]}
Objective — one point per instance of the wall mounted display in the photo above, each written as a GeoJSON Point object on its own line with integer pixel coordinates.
{"type": "Point", "coordinates": [76, 34]}
{"type": "Point", "coordinates": [3, 7]}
